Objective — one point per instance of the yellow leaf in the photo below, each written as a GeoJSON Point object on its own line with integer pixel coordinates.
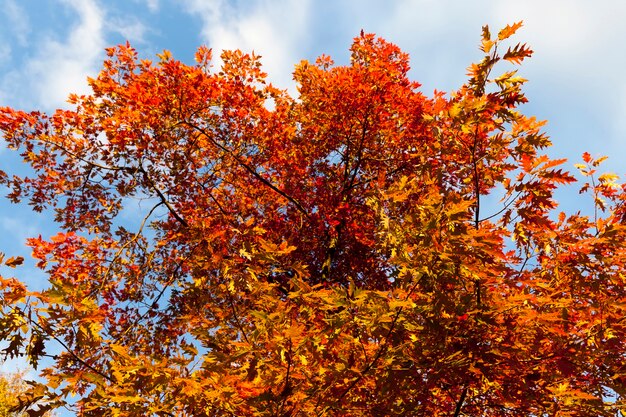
{"type": "Point", "coordinates": [509, 30]}
{"type": "Point", "coordinates": [486, 45]}
{"type": "Point", "coordinates": [120, 350]}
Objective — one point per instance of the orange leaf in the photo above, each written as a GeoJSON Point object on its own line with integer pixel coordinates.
{"type": "Point", "coordinates": [14, 261]}
{"type": "Point", "coordinates": [509, 30]}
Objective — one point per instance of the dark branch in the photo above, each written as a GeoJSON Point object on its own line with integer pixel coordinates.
{"type": "Point", "coordinates": [459, 404]}
{"type": "Point", "coordinates": [162, 197]}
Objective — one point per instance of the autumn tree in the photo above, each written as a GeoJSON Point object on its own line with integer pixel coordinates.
{"type": "Point", "coordinates": [12, 386]}
{"type": "Point", "coordinates": [225, 249]}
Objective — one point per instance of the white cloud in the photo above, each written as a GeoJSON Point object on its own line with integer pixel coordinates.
{"type": "Point", "coordinates": [579, 55]}
{"type": "Point", "coordinates": [19, 229]}
{"type": "Point", "coordinates": [435, 34]}
{"type": "Point", "coordinates": [575, 74]}
{"type": "Point", "coordinates": [277, 33]}
{"type": "Point", "coordinates": [153, 5]}
{"type": "Point", "coordinates": [129, 27]}
{"type": "Point", "coordinates": [16, 32]}
{"type": "Point", "coordinates": [60, 67]}
{"type": "Point", "coordinates": [567, 25]}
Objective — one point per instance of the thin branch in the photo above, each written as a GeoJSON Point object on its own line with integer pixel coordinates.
{"type": "Point", "coordinates": [162, 197]}
{"type": "Point", "coordinates": [476, 179]}
{"type": "Point", "coordinates": [121, 249]}
{"type": "Point", "coordinates": [239, 325]}
{"type": "Point", "coordinates": [459, 404]}
{"type": "Point", "coordinates": [155, 301]}
{"type": "Point", "coordinates": [504, 208]}
{"type": "Point", "coordinates": [251, 170]}
{"type": "Point", "coordinates": [88, 162]}
{"type": "Point", "coordinates": [67, 349]}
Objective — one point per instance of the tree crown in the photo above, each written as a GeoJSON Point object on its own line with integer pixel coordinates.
{"type": "Point", "coordinates": [329, 254]}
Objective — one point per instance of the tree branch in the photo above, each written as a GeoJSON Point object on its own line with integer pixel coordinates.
{"type": "Point", "coordinates": [251, 170]}
{"type": "Point", "coordinates": [239, 325]}
{"type": "Point", "coordinates": [459, 404]}
{"type": "Point", "coordinates": [162, 197]}
{"type": "Point", "coordinates": [68, 350]}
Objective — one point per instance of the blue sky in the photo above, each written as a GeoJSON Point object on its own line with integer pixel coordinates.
{"type": "Point", "coordinates": [576, 81]}
{"type": "Point", "coordinates": [49, 47]}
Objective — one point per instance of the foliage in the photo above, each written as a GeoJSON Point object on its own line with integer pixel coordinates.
{"type": "Point", "coordinates": [12, 386]}
{"type": "Point", "coordinates": [332, 254]}
{"type": "Point", "coordinates": [7, 394]}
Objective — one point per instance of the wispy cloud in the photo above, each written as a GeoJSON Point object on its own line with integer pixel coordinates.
{"type": "Point", "coordinates": [153, 5]}
{"type": "Point", "coordinates": [5, 52]}
{"type": "Point", "coordinates": [14, 32]}
{"type": "Point", "coordinates": [62, 66]}
{"type": "Point", "coordinates": [57, 66]}
{"type": "Point", "coordinates": [129, 27]}
{"type": "Point", "coordinates": [18, 19]}
{"type": "Point", "coordinates": [579, 54]}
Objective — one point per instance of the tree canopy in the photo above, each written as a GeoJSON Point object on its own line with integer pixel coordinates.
{"type": "Point", "coordinates": [225, 249]}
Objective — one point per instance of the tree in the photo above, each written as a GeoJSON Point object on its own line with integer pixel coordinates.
{"type": "Point", "coordinates": [12, 386]}
{"type": "Point", "coordinates": [8, 393]}
{"type": "Point", "coordinates": [329, 255]}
